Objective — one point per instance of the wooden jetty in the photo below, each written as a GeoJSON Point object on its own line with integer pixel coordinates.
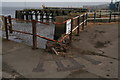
{"type": "Point", "coordinates": [46, 12]}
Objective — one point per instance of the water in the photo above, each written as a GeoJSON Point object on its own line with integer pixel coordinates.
{"type": "Point", "coordinates": [10, 10]}
{"type": "Point", "coordinates": [42, 30]}
{"type": "Point", "coordinates": [10, 7]}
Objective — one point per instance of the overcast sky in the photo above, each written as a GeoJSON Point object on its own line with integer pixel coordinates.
{"type": "Point", "coordinates": [57, 0]}
{"type": "Point", "coordinates": [38, 3]}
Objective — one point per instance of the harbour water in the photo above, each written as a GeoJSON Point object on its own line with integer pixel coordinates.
{"type": "Point", "coordinates": [42, 29]}
{"type": "Point", "coordinates": [8, 8]}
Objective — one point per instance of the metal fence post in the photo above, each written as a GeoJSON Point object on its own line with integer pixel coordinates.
{"type": "Point", "coordinates": [83, 22]}
{"type": "Point", "coordinates": [71, 32]}
{"type": "Point", "coordinates": [95, 17]}
{"type": "Point", "coordinates": [6, 28]}
{"type": "Point", "coordinates": [34, 34]}
{"type": "Point", "coordinates": [10, 24]}
{"type": "Point", "coordinates": [110, 16]}
{"type": "Point", "coordinates": [78, 29]}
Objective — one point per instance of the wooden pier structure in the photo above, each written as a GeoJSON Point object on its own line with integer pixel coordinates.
{"type": "Point", "coordinates": [46, 13]}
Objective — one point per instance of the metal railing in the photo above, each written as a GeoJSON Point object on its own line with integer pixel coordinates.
{"type": "Point", "coordinates": [77, 23]}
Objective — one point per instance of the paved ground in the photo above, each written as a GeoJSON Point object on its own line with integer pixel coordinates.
{"type": "Point", "coordinates": [88, 57]}
{"type": "Point", "coordinates": [0, 57]}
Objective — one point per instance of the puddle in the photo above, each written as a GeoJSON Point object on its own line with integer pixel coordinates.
{"type": "Point", "coordinates": [107, 75]}
{"type": "Point", "coordinates": [111, 62]}
{"type": "Point", "coordinates": [99, 44]}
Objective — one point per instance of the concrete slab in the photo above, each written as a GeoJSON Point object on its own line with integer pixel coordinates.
{"type": "Point", "coordinates": [104, 69]}
{"type": "Point", "coordinates": [41, 64]}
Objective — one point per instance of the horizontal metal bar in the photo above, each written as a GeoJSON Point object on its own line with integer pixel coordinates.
{"type": "Point", "coordinates": [46, 38]}
{"type": "Point", "coordinates": [36, 35]}
{"type": "Point", "coordinates": [22, 32]}
{"type": "Point", "coordinates": [27, 20]}
{"type": "Point", "coordinates": [72, 31]}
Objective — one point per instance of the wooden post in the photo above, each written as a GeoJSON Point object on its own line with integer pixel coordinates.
{"type": "Point", "coordinates": [36, 16]}
{"type": "Point", "coordinates": [78, 29]}
{"type": "Point", "coordinates": [52, 15]}
{"type": "Point", "coordinates": [83, 22]}
{"type": "Point", "coordinates": [6, 28]}
{"type": "Point", "coordinates": [94, 17]}
{"type": "Point", "coordinates": [34, 34]}
{"type": "Point", "coordinates": [100, 14]}
{"type": "Point", "coordinates": [47, 15]}
{"type": "Point", "coordinates": [86, 19]}
{"type": "Point", "coordinates": [31, 16]}
{"type": "Point", "coordinates": [22, 15]}
{"type": "Point", "coordinates": [71, 32]}
{"type": "Point", "coordinates": [110, 16]}
{"type": "Point", "coordinates": [16, 14]}
{"type": "Point", "coordinates": [26, 13]}
{"type": "Point", "coordinates": [10, 24]}
{"type": "Point", "coordinates": [41, 16]}
{"type": "Point", "coordinates": [114, 15]}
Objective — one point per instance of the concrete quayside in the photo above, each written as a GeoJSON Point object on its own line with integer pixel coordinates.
{"type": "Point", "coordinates": [60, 42]}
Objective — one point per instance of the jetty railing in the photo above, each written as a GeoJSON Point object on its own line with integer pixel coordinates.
{"type": "Point", "coordinates": [77, 24]}
{"type": "Point", "coordinates": [13, 25]}
{"type": "Point", "coordinates": [31, 28]}
{"type": "Point", "coordinates": [100, 16]}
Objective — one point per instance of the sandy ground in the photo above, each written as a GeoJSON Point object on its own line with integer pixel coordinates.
{"type": "Point", "coordinates": [93, 54]}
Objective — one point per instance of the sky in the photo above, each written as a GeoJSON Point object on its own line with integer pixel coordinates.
{"type": "Point", "coordinates": [50, 4]}
{"type": "Point", "coordinates": [58, 0]}
{"type": "Point", "coordinates": [38, 3]}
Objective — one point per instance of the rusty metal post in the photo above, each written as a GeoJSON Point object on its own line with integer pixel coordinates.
{"type": "Point", "coordinates": [6, 28]}
{"type": "Point", "coordinates": [83, 22]}
{"type": "Point", "coordinates": [71, 32]}
{"type": "Point", "coordinates": [10, 24]}
{"type": "Point", "coordinates": [78, 29]}
{"type": "Point", "coordinates": [34, 34]}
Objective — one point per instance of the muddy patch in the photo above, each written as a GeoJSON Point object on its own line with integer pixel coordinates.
{"type": "Point", "coordinates": [100, 44]}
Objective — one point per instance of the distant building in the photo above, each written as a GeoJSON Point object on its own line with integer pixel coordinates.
{"type": "Point", "coordinates": [97, 7]}
{"type": "Point", "coordinates": [117, 5]}
{"type": "Point", "coordinates": [114, 6]}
